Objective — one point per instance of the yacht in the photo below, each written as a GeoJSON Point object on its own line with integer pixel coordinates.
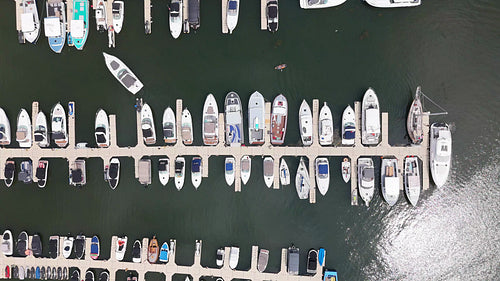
{"type": "Point", "coordinates": [175, 18]}
{"type": "Point", "coordinates": [79, 246]}
{"type": "Point", "coordinates": [220, 257]}
{"type": "Point", "coordinates": [348, 126]}
{"type": "Point", "coordinates": [322, 174]}
{"type": "Point", "coordinates": [366, 179]}
{"type": "Point", "coordinates": [67, 246]}
{"type": "Point", "coordinates": [100, 16]}
{"type": "Point", "coordinates": [41, 134]}
{"type": "Point", "coordinates": [180, 168]}
{"type": "Point", "coordinates": [284, 173]}
{"type": "Point", "coordinates": [272, 15]}
{"type": "Point", "coordinates": [23, 133]}
{"type": "Point", "coordinates": [234, 256]}
{"type": "Point", "coordinates": [246, 168]}
{"type": "Point", "coordinates": [262, 260]}
{"type": "Point", "coordinates": [77, 174]}
{"type": "Point", "coordinates": [121, 247]}
{"type": "Point", "coordinates": [79, 24]}
{"type": "Point", "coordinates": [318, 4]}
{"type": "Point", "coordinates": [30, 22]}
{"type": "Point", "coordinates": [7, 243]}
{"type": "Point", "coordinates": [136, 251]}
{"type": "Point", "coordinates": [148, 125]}
{"type": "Point", "coordinates": [210, 121]}
{"type": "Point", "coordinates": [325, 125]}
{"type": "Point", "coordinates": [390, 180]}
{"type": "Point", "coordinates": [118, 14]}
{"type": "Point", "coordinates": [370, 127]}
{"type": "Point", "coordinates": [393, 3]}
{"type": "Point", "coordinates": [412, 179]}
{"type": "Point", "coordinates": [101, 128]}
{"type": "Point", "coordinates": [113, 173]}
{"type": "Point", "coordinates": [234, 120]}
{"type": "Point", "coordinates": [268, 167]}
{"type": "Point", "coordinates": [305, 123]}
{"type": "Point", "coordinates": [233, 9]}
{"type": "Point", "coordinates": [169, 128]}
{"type": "Point", "coordinates": [346, 170]}
{"type": "Point", "coordinates": [196, 171]}
{"type": "Point", "coordinates": [440, 153]}
{"type": "Point", "coordinates": [414, 122]}
{"type": "Point", "coordinates": [41, 173]}
{"type": "Point", "coordinates": [279, 117]}
{"type": "Point", "coordinates": [9, 172]}
{"type": "Point", "coordinates": [256, 118]}
{"type": "Point", "coordinates": [59, 129]}
{"type": "Point", "coordinates": [186, 127]}
{"type": "Point", "coordinates": [55, 24]}
{"type": "Point", "coordinates": [4, 128]}
{"type": "Point", "coordinates": [302, 180]}
{"type": "Point", "coordinates": [164, 170]}
{"type": "Point", "coordinates": [229, 170]}
{"type": "Point", "coordinates": [123, 74]}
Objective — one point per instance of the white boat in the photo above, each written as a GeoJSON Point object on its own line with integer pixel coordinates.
{"type": "Point", "coordinates": [322, 174]}
{"type": "Point", "coordinates": [220, 257]}
{"type": "Point", "coordinates": [164, 170]}
{"type": "Point", "coordinates": [42, 170]}
{"type": "Point", "coordinates": [196, 171]}
{"type": "Point", "coordinates": [210, 123]}
{"type": "Point", "coordinates": [412, 179]}
{"type": "Point", "coordinates": [302, 180]}
{"type": "Point", "coordinates": [23, 133]}
{"type": "Point", "coordinates": [272, 15]}
{"type": "Point", "coordinates": [234, 256]}
{"type": "Point", "coordinates": [256, 118]}
{"type": "Point", "coordinates": [123, 74]}
{"type": "Point", "coordinates": [348, 126]}
{"type": "Point", "coordinates": [175, 18]}
{"type": "Point", "coordinates": [4, 128]}
{"type": "Point", "coordinates": [346, 170]}
{"type": "Point", "coordinates": [262, 260]}
{"type": "Point", "coordinates": [169, 128]}
{"type": "Point", "coordinates": [284, 173]}
{"type": "Point", "coordinates": [390, 180]}
{"type": "Point", "coordinates": [41, 134]}
{"type": "Point", "coordinates": [186, 127]}
{"type": "Point", "coordinates": [366, 179]}
{"type": "Point", "coordinates": [279, 120]}
{"type": "Point", "coordinates": [233, 114]}
{"type": "Point", "coordinates": [233, 9]}
{"type": "Point", "coordinates": [180, 168]}
{"type": "Point", "coordinates": [325, 125]}
{"type": "Point", "coordinates": [77, 173]}
{"type": "Point", "coordinates": [118, 14]}
{"type": "Point", "coordinates": [121, 247]}
{"type": "Point", "coordinates": [268, 167]}
{"type": "Point", "coordinates": [246, 168]}
{"type": "Point", "coordinates": [370, 127]}
{"type": "Point", "coordinates": [59, 129]}
{"type": "Point", "coordinates": [67, 246]}
{"type": "Point", "coordinates": [440, 153]}
{"type": "Point", "coordinates": [101, 128]}
{"type": "Point", "coordinates": [55, 24]}
{"type": "Point", "coordinates": [229, 170]}
{"type": "Point", "coordinates": [148, 125]}
{"type": "Point", "coordinates": [100, 15]}
{"type": "Point", "coordinates": [113, 172]}
{"type": "Point", "coordinates": [305, 123]}
{"type": "Point", "coordinates": [136, 251]}
{"type": "Point", "coordinates": [30, 22]}
{"type": "Point", "coordinates": [7, 243]}
{"type": "Point", "coordinates": [393, 3]}
{"type": "Point", "coordinates": [317, 4]}
{"type": "Point", "coordinates": [414, 122]}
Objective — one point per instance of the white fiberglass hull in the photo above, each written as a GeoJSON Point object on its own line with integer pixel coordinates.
{"type": "Point", "coordinates": [370, 127]}
{"type": "Point", "coordinates": [305, 123]}
{"type": "Point", "coordinates": [67, 247]}
{"type": "Point", "coordinates": [118, 15]}
{"type": "Point", "coordinates": [233, 9]}
{"type": "Point", "coordinates": [23, 133]}
{"type": "Point", "coordinates": [229, 170]}
{"type": "Point", "coordinates": [246, 168]}
{"type": "Point", "coordinates": [346, 170]}
{"type": "Point", "coordinates": [121, 247]}
{"type": "Point", "coordinates": [30, 22]}
{"type": "Point", "coordinates": [390, 181]}
{"type": "Point", "coordinates": [169, 126]}
{"type": "Point", "coordinates": [196, 176]}
{"type": "Point", "coordinates": [123, 74]}
{"type": "Point", "coordinates": [325, 125]}
{"type": "Point", "coordinates": [366, 180]}
{"type": "Point", "coordinates": [41, 133]}
{"type": "Point", "coordinates": [412, 179]}
{"type": "Point", "coordinates": [312, 4]}
{"type": "Point", "coordinates": [284, 173]}
{"type": "Point", "coordinates": [210, 122]}
{"type": "Point", "coordinates": [58, 126]}
{"type": "Point", "coordinates": [256, 118]}
{"type": "Point", "coordinates": [148, 125]}
{"type": "Point", "coordinates": [393, 3]}
{"type": "Point", "coordinates": [187, 127]}
{"type": "Point", "coordinates": [114, 176]}
{"type": "Point", "coordinates": [302, 180]}
{"type": "Point", "coordinates": [164, 170]}
{"type": "Point", "coordinates": [268, 166]}
{"type": "Point", "coordinates": [440, 153]}
{"type": "Point", "coordinates": [175, 18]}
{"type": "Point", "coordinates": [180, 172]}
{"type": "Point", "coordinates": [5, 135]}
{"type": "Point", "coordinates": [102, 128]}
{"type": "Point", "coordinates": [348, 126]}
{"type": "Point", "coordinates": [322, 175]}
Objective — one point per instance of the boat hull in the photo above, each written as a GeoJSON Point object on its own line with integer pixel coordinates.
{"type": "Point", "coordinates": [284, 173]}
{"type": "Point", "coordinates": [302, 180]}
{"type": "Point", "coordinates": [322, 174]}
{"type": "Point", "coordinates": [390, 180]}
{"type": "Point", "coordinates": [180, 171]}
{"type": "Point", "coordinates": [41, 133]}
{"type": "Point", "coordinates": [210, 122]}
{"type": "Point", "coordinates": [120, 14]}
{"type": "Point", "coordinates": [148, 125]}
{"type": "Point", "coordinates": [59, 127]}
{"type": "Point", "coordinates": [229, 170]}
{"type": "Point", "coordinates": [122, 73]}
{"type": "Point", "coordinates": [348, 126]}
{"type": "Point", "coordinates": [256, 119]}
{"type": "Point", "coordinates": [169, 126]}
{"type": "Point", "coordinates": [186, 127]}
{"type": "Point", "coordinates": [279, 118]}
{"type": "Point", "coordinates": [366, 180]}
{"type": "Point", "coordinates": [393, 4]}
{"type": "Point", "coordinates": [412, 181]}
{"type": "Point", "coordinates": [325, 125]}
{"type": "Point", "coordinates": [23, 133]}
{"type": "Point", "coordinates": [370, 127]}
{"type": "Point", "coordinates": [246, 168]}
{"type": "Point", "coordinates": [304, 4]}
{"type": "Point", "coordinates": [268, 166]}
{"type": "Point", "coordinates": [196, 171]}
{"type": "Point", "coordinates": [305, 124]}
{"type": "Point", "coordinates": [5, 136]}
{"type": "Point", "coordinates": [234, 120]}
{"type": "Point", "coordinates": [414, 122]}
{"type": "Point", "coordinates": [440, 153]}
{"type": "Point", "coordinates": [80, 12]}
{"type": "Point", "coordinates": [102, 129]}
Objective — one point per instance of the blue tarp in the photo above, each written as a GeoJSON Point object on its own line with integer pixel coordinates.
{"type": "Point", "coordinates": [323, 169]}
{"type": "Point", "coordinates": [195, 166]}
{"type": "Point", "coordinates": [229, 166]}
{"type": "Point", "coordinates": [349, 135]}
{"type": "Point", "coordinates": [233, 5]}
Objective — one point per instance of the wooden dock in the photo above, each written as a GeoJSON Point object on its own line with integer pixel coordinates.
{"type": "Point", "coordinates": [69, 14]}
{"type": "Point", "coordinates": [185, 16]}
{"type": "Point", "coordinates": [263, 14]}
{"type": "Point", "coordinates": [19, 12]}
{"type": "Point", "coordinates": [224, 17]}
{"type": "Point", "coordinates": [148, 20]}
{"type": "Point", "coordinates": [109, 23]}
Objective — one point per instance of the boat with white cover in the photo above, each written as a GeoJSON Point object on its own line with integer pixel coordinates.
{"type": "Point", "coordinates": [220, 257]}
{"type": "Point", "coordinates": [302, 180]}
{"type": "Point", "coordinates": [100, 16]}
{"type": "Point", "coordinates": [68, 246]}
{"type": "Point", "coordinates": [305, 123]}
{"type": "Point", "coordinates": [196, 171]}
{"type": "Point", "coordinates": [30, 22]}
{"type": "Point", "coordinates": [4, 128]}
{"type": "Point", "coordinates": [41, 172]}
{"type": "Point", "coordinates": [148, 125]}
{"type": "Point", "coordinates": [246, 168]}
{"type": "Point", "coordinates": [121, 247]}
{"type": "Point", "coordinates": [229, 170]}
{"type": "Point", "coordinates": [234, 256]}
{"type": "Point", "coordinates": [7, 243]}
{"type": "Point", "coordinates": [113, 172]}
{"type": "Point", "coordinates": [169, 128]}
{"type": "Point", "coordinates": [284, 172]}
{"type": "Point", "coordinates": [233, 9]}
{"type": "Point", "coordinates": [23, 133]}
{"type": "Point", "coordinates": [234, 120]}
{"type": "Point", "coordinates": [440, 153]}
{"type": "Point", "coordinates": [268, 167]}
{"type": "Point", "coordinates": [59, 129]}
{"type": "Point", "coordinates": [366, 179]}
{"type": "Point", "coordinates": [348, 126]}
{"type": "Point", "coordinates": [164, 170]}
{"type": "Point", "coordinates": [262, 260]}
{"type": "Point", "coordinates": [180, 168]}
{"type": "Point", "coordinates": [370, 117]}
{"type": "Point", "coordinates": [272, 15]}
{"type": "Point", "coordinates": [118, 14]}
{"type": "Point", "coordinates": [322, 174]}
{"type": "Point", "coordinates": [346, 170]}
{"type": "Point", "coordinates": [210, 125]}
{"type": "Point", "coordinates": [123, 74]}
{"type": "Point", "coordinates": [414, 122]}
{"type": "Point", "coordinates": [279, 120]}
{"type": "Point", "coordinates": [412, 179]}
{"type": "Point", "coordinates": [393, 3]}
{"type": "Point", "coordinates": [256, 118]}
{"type": "Point", "coordinates": [41, 134]}
{"type": "Point", "coordinates": [390, 180]}
{"type": "Point", "coordinates": [318, 4]}
{"type": "Point", "coordinates": [325, 125]}
{"type": "Point", "coordinates": [186, 127]}
{"type": "Point", "coordinates": [101, 128]}
{"type": "Point", "coordinates": [55, 24]}
{"type": "Point", "coordinates": [175, 18]}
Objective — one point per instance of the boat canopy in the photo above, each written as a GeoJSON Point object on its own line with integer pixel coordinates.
{"type": "Point", "coordinates": [229, 167]}
{"type": "Point", "coordinates": [162, 166]}
{"type": "Point", "coordinates": [40, 173]}
{"type": "Point", "coordinates": [349, 135]}
{"type": "Point", "coordinates": [233, 5]}
{"type": "Point", "coordinates": [367, 174]}
{"type": "Point", "coordinates": [174, 9]}
{"type": "Point", "coordinates": [195, 167]}
{"type": "Point", "coordinates": [268, 168]}
{"type": "Point", "coordinates": [178, 166]}
{"type": "Point", "coordinates": [27, 22]}
{"type": "Point", "coordinates": [76, 175]}
{"type": "Point", "coordinates": [77, 28]}
{"type": "Point", "coordinates": [113, 170]}
{"type": "Point", "coordinates": [392, 186]}
{"type": "Point", "coordinates": [52, 27]}
{"type": "Point", "coordinates": [323, 169]}
{"type": "Point", "coordinates": [272, 11]}
{"type": "Point", "coordinates": [372, 120]}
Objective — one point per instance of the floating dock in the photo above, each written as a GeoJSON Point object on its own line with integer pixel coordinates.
{"type": "Point", "coordinates": [19, 12]}
{"type": "Point", "coordinates": [224, 17]}
{"type": "Point", "coordinates": [109, 23]}
{"type": "Point", "coordinates": [148, 20]}
{"type": "Point", "coordinates": [263, 14]}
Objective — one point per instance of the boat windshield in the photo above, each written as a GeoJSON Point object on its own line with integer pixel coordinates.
{"type": "Point", "coordinates": [367, 175]}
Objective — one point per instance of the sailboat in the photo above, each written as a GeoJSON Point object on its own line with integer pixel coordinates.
{"type": "Point", "coordinates": [210, 123]}
{"type": "Point", "coordinates": [284, 173]}
{"type": "Point", "coordinates": [325, 125]}
{"type": "Point", "coordinates": [180, 168]}
{"type": "Point", "coordinates": [414, 121]}
{"type": "Point", "coordinates": [305, 123]}
{"type": "Point", "coordinates": [233, 9]}
{"type": "Point", "coordinates": [30, 22]}
{"type": "Point", "coordinates": [41, 134]}
{"type": "Point", "coordinates": [55, 24]}
{"type": "Point", "coordinates": [175, 18]}
{"type": "Point", "coordinates": [302, 180]}
{"type": "Point", "coordinates": [79, 24]}
{"type": "Point", "coordinates": [256, 118]}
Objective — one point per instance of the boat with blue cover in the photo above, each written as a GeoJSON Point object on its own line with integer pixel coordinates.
{"type": "Point", "coordinates": [55, 24]}
{"type": "Point", "coordinates": [330, 275]}
{"type": "Point", "coordinates": [229, 170]}
{"type": "Point", "coordinates": [321, 256]}
{"type": "Point", "coordinates": [79, 24]}
{"type": "Point", "coordinates": [196, 171]}
{"type": "Point", "coordinates": [164, 252]}
{"type": "Point", "coordinates": [94, 247]}
{"type": "Point", "coordinates": [234, 120]}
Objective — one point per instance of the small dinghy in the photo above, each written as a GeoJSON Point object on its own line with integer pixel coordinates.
{"type": "Point", "coordinates": [148, 125]}
{"type": "Point", "coordinates": [246, 168]}
{"type": "Point", "coordinates": [272, 15]}
{"type": "Point", "coordinates": [348, 126]}
{"type": "Point", "coordinates": [101, 128]}
{"type": "Point", "coordinates": [186, 127]}
{"type": "Point", "coordinates": [164, 170]}
{"type": "Point", "coordinates": [22, 244]}
{"type": "Point", "coordinates": [49, 273]}
{"type": "Point", "coordinates": [123, 74]}
{"type": "Point", "coordinates": [89, 276]}
{"type": "Point", "coordinates": [196, 171]}
{"type": "Point", "coordinates": [164, 252]}
{"type": "Point", "coordinates": [41, 173]}
{"type": "Point", "coordinates": [180, 168]}
{"type": "Point", "coordinates": [234, 256]}
{"type": "Point", "coordinates": [210, 123]}
{"type": "Point", "coordinates": [169, 129]}
{"type": "Point", "coordinates": [80, 246]}
{"type": "Point", "coordinates": [75, 276]}
{"type": "Point", "coordinates": [412, 179]}
{"type": "Point", "coordinates": [229, 170]}
{"type": "Point", "coordinates": [370, 118]}
{"type": "Point", "coordinates": [268, 167]}
{"type": "Point", "coordinates": [322, 174]}
{"type": "Point", "coordinates": [113, 172]}
{"type": "Point", "coordinates": [59, 129]}
{"type": "Point", "coordinates": [325, 125]}
{"type": "Point", "coordinates": [67, 246]}
{"type": "Point", "coordinates": [175, 18]}
{"type": "Point", "coordinates": [279, 117]}
{"type": "Point", "coordinates": [104, 276]}
{"type": "Point", "coordinates": [7, 243]}
{"type": "Point", "coordinates": [26, 172]}
{"type": "Point", "coordinates": [233, 9]}
{"type": "Point", "coordinates": [59, 273]}
{"type": "Point", "coordinates": [233, 114]}
{"type": "Point", "coordinates": [94, 248]}
{"type": "Point", "coordinates": [118, 14]}
{"type": "Point", "coordinates": [23, 133]}
{"type": "Point", "coordinates": [366, 179]}
{"type": "Point", "coordinates": [302, 180]}
{"type": "Point", "coordinates": [77, 173]}
{"type": "Point", "coordinates": [9, 172]}
{"type": "Point", "coordinates": [41, 134]}
{"type": "Point", "coordinates": [312, 262]}
{"type": "Point", "coordinates": [256, 118]}
{"type": "Point", "coordinates": [440, 153]}
{"type": "Point", "coordinates": [53, 247]}
{"type": "Point", "coordinates": [153, 251]}
{"type": "Point", "coordinates": [280, 67]}
{"type": "Point", "coordinates": [390, 180]}
{"type": "Point", "coordinates": [136, 251]}
{"type": "Point", "coordinates": [305, 123]}
{"type": "Point", "coordinates": [4, 128]}
{"type": "Point", "coordinates": [30, 22]}
{"type": "Point", "coordinates": [284, 172]}
{"type": "Point", "coordinates": [220, 257]}
{"type": "Point", "coordinates": [414, 121]}
{"type": "Point", "coordinates": [321, 256]}
{"type": "Point", "coordinates": [121, 247]}
{"type": "Point", "coordinates": [262, 260]}
{"type": "Point", "coordinates": [346, 170]}
{"type": "Point", "coordinates": [36, 246]}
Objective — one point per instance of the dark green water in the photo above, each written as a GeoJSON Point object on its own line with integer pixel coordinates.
{"type": "Point", "coordinates": [451, 48]}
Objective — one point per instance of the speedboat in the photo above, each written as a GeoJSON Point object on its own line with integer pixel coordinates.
{"type": "Point", "coordinates": [145, 171]}
{"type": "Point", "coordinates": [234, 120]}
{"type": "Point", "coordinates": [55, 24]}
{"type": "Point", "coordinates": [100, 16]}
{"type": "Point", "coordinates": [80, 246]}
{"type": "Point", "coordinates": [293, 260]}
{"type": "Point", "coordinates": [186, 127]}
{"type": "Point", "coordinates": [26, 172]}
{"type": "Point", "coordinates": [49, 274]}
{"type": "Point", "coordinates": [41, 134]}
{"type": "Point", "coordinates": [346, 170]}
{"type": "Point", "coordinates": [41, 173]}
{"type": "Point", "coordinates": [37, 273]}
{"type": "Point", "coordinates": [229, 170]}
{"type": "Point", "coordinates": [59, 130]}
{"type": "Point", "coordinates": [113, 173]}
{"type": "Point", "coordinates": [101, 128]}
{"type": "Point", "coordinates": [312, 261]}
{"type": "Point", "coordinates": [348, 126]}
{"type": "Point", "coordinates": [284, 173]}
{"type": "Point", "coordinates": [4, 128]}
{"type": "Point", "coordinates": [104, 276]}
{"type": "Point", "coordinates": [305, 123]}
{"type": "Point", "coordinates": [370, 127]}
{"type": "Point", "coordinates": [234, 256]}
{"type": "Point", "coordinates": [272, 15]}
{"type": "Point", "coordinates": [9, 172]}
{"type": "Point", "coordinates": [79, 24]}
{"type": "Point", "coordinates": [210, 124]}
{"type": "Point", "coordinates": [169, 128]}
{"type": "Point", "coordinates": [7, 272]}
{"type": "Point", "coordinates": [94, 248]}
{"type": "Point", "coordinates": [262, 260]}
{"type": "Point", "coordinates": [279, 117]}
{"type": "Point", "coordinates": [30, 22]}
{"type": "Point", "coordinates": [330, 275]}
{"type": "Point", "coordinates": [193, 15]}
{"type": "Point", "coordinates": [322, 174]}
{"type": "Point", "coordinates": [233, 8]}
{"type": "Point", "coordinates": [196, 171]}
{"type": "Point", "coordinates": [89, 276]}
{"type": "Point", "coordinates": [148, 125]}
{"type": "Point", "coordinates": [321, 257]}
{"type": "Point", "coordinates": [16, 272]}
{"type": "Point", "coordinates": [268, 167]}
{"type": "Point", "coordinates": [220, 257]}
{"type": "Point", "coordinates": [256, 118]}
{"type": "Point", "coordinates": [67, 246]}
{"type": "Point", "coordinates": [164, 252]}
{"type": "Point", "coordinates": [22, 244]}
{"type": "Point", "coordinates": [412, 179]}
{"type": "Point", "coordinates": [123, 74]}
{"type": "Point", "coordinates": [153, 251]}
{"type": "Point", "coordinates": [23, 133]}
{"type": "Point", "coordinates": [393, 3]}
{"type": "Point", "coordinates": [175, 18]}
{"type": "Point", "coordinates": [164, 170]}
{"type": "Point", "coordinates": [75, 276]}
{"type": "Point", "coordinates": [317, 4]}
{"type": "Point", "coordinates": [7, 243]}
{"type": "Point", "coordinates": [180, 168]}
{"type": "Point", "coordinates": [118, 14]}
{"type": "Point", "coordinates": [246, 168]}
{"type": "Point", "coordinates": [302, 180]}
{"type": "Point", "coordinates": [325, 125]}
{"type": "Point", "coordinates": [366, 179]}
{"type": "Point", "coordinates": [136, 251]}
{"type": "Point", "coordinates": [414, 122]}
{"type": "Point", "coordinates": [390, 180]}
{"type": "Point", "coordinates": [77, 173]}
{"type": "Point", "coordinates": [440, 153]}
{"type": "Point", "coordinates": [121, 247]}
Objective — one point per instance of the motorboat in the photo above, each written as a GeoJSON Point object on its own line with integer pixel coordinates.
{"type": "Point", "coordinates": [164, 252]}
{"type": "Point", "coordinates": [219, 260]}
{"type": "Point", "coordinates": [75, 276]}
{"type": "Point", "coordinates": [279, 117]}
{"type": "Point", "coordinates": [147, 125]}
{"type": "Point", "coordinates": [41, 173]}
{"type": "Point", "coordinates": [164, 170]}
{"type": "Point", "coordinates": [234, 120]}
{"type": "Point", "coordinates": [100, 16]}
{"type": "Point", "coordinates": [234, 256]}
{"type": "Point", "coordinates": [325, 125]}
{"type": "Point", "coordinates": [390, 180]}
{"type": "Point", "coordinates": [30, 22]}
{"type": "Point", "coordinates": [49, 273]}
{"type": "Point", "coordinates": [54, 247]}
{"type": "Point", "coordinates": [256, 118]}
{"type": "Point", "coordinates": [9, 172]}
{"type": "Point", "coordinates": [348, 126]}
{"type": "Point", "coordinates": [175, 18]}
{"type": "Point", "coordinates": [104, 276]}
{"type": "Point", "coordinates": [136, 251]}
{"type": "Point", "coordinates": [393, 3]}
{"type": "Point", "coordinates": [15, 272]}
{"type": "Point", "coordinates": [65, 273]}
{"type": "Point", "coordinates": [59, 129]}
{"type": "Point", "coordinates": [412, 179]}
{"type": "Point", "coordinates": [272, 15]}
{"type": "Point", "coordinates": [41, 133]}
{"type": "Point", "coordinates": [26, 172]}
{"type": "Point", "coordinates": [77, 173]}
{"type": "Point", "coordinates": [113, 173]}
{"type": "Point", "coordinates": [210, 126]}
{"type": "Point", "coordinates": [321, 256]}
{"type": "Point", "coordinates": [37, 273]}
{"type": "Point", "coordinates": [229, 170]}
{"type": "Point", "coordinates": [318, 4]}
{"type": "Point", "coordinates": [246, 168]}
{"type": "Point", "coordinates": [262, 260]}
{"type": "Point", "coordinates": [302, 180]}
{"type": "Point", "coordinates": [4, 128]}
{"type": "Point", "coordinates": [89, 276]}
{"type": "Point", "coordinates": [21, 273]}
{"type": "Point", "coordinates": [153, 251]}
{"type": "Point", "coordinates": [186, 127]}
{"type": "Point", "coordinates": [330, 275]}
{"type": "Point", "coordinates": [67, 246]}
{"type": "Point", "coordinates": [370, 127]}
{"type": "Point", "coordinates": [121, 247]}
{"type": "Point", "coordinates": [233, 9]}
{"type": "Point", "coordinates": [22, 244]}
{"type": "Point", "coordinates": [293, 260]}
{"type": "Point", "coordinates": [132, 277]}
{"type": "Point", "coordinates": [23, 133]}
{"type": "Point", "coordinates": [322, 174]}
{"type": "Point", "coordinates": [312, 262]}
{"type": "Point", "coordinates": [280, 67]}
{"type": "Point", "coordinates": [7, 243]}
{"type": "Point", "coordinates": [305, 123]}
{"type": "Point", "coordinates": [196, 171]}
{"type": "Point", "coordinates": [169, 128]}
{"type": "Point", "coordinates": [94, 248]}
{"type": "Point", "coordinates": [440, 153]}
{"type": "Point", "coordinates": [122, 73]}
{"type": "Point", "coordinates": [193, 14]}
{"type": "Point", "coordinates": [366, 179]}
{"type": "Point", "coordinates": [59, 273]}
{"type": "Point", "coordinates": [284, 172]}
{"type": "Point", "coordinates": [118, 13]}
{"type": "Point", "coordinates": [79, 246]}
{"type": "Point", "coordinates": [414, 122]}
{"type": "Point", "coordinates": [145, 171]}
{"type": "Point", "coordinates": [79, 24]}
{"type": "Point", "coordinates": [268, 167]}
{"type": "Point", "coordinates": [346, 170]}
{"type": "Point", "coordinates": [102, 128]}
{"type": "Point", "coordinates": [7, 272]}
{"type": "Point", "coordinates": [180, 168]}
